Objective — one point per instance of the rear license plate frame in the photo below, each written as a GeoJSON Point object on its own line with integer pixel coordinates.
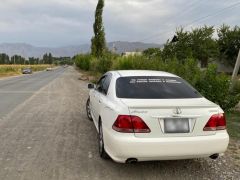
{"type": "Point", "coordinates": [176, 125]}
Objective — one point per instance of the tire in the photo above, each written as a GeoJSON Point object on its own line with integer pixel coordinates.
{"type": "Point", "coordinates": [102, 151]}
{"type": "Point", "coordinates": [88, 110]}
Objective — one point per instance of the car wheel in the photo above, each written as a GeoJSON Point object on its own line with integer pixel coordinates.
{"type": "Point", "coordinates": [102, 151]}
{"type": "Point", "coordinates": [88, 110]}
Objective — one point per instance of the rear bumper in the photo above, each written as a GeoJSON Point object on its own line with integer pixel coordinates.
{"type": "Point", "coordinates": [121, 147]}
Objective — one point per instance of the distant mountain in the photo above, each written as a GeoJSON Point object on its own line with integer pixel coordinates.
{"type": "Point", "coordinates": [27, 50]}
{"type": "Point", "coordinates": [124, 46]}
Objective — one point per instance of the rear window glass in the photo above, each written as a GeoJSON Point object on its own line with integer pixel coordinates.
{"type": "Point", "coordinates": [154, 87]}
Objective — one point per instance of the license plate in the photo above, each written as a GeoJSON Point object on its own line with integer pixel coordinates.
{"type": "Point", "coordinates": [175, 125]}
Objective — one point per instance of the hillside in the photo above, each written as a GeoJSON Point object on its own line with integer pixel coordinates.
{"type": "Point", "coordinates": [27, 50]}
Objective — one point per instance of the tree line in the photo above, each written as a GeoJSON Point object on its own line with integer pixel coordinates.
{"type": "Point", "coordinates": [204, 44]}
{"type": "Point", "coordinates": [46, 59]}
{"type": "Point", "coordinates": [201, 44]}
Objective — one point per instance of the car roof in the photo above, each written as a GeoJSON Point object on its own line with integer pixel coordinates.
{"type": "Point", "coordinates": [125, 73]}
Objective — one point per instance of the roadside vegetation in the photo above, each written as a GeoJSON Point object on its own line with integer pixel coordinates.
{"type": "Point", "coordinates": [191, 55]}
{"type": "Point", "coordinates": [10, 66]}
{"type": "Point", "coordinates": [213, 85]}
{"type": "Point", "coordinates": [46, 59]}
{"type": "Point", "coordinates": [233, 124]}
{"type": "Point", "coordinates": [9, 70]}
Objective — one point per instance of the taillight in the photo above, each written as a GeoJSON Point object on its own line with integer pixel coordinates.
{"type": "Point", "coordinates": [221, 123]}
{"type": "Point", "coordinates": [123, 124]}
{"type": "Point", "coordinates": [216, 122]}
{"type": "Point", "coordinates": [139, 125]}
{"type": "Point", "coordinates": [130, 124]}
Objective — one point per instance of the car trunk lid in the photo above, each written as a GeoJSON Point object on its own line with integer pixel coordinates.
{"type": "Point", "coordinates": [159, 113]}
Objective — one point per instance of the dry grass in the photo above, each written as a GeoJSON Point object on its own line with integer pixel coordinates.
{"type": "Point", "coordinates": [91, 76]}
{"type": "Point", "coordinates": [12, 70]}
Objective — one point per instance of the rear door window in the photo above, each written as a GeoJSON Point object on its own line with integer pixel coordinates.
{"type": "Point", "coordinates": [154, 87]}
{"type": "Point", "coordinates": [99, 86]}
{"type": "Point", "coordinates": [106, 83]}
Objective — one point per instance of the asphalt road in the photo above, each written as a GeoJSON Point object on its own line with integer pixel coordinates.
{"type": "Point", "coordinates": [45, 135]}
{"type": "Point", "coordinates": [14, 91]}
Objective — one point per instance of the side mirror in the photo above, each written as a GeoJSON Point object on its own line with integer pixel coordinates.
{"type": "Point", "coordinates": [91, 86]}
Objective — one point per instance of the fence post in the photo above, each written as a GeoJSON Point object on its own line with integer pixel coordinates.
{"type": "Point", "coordinates": [236, 68]}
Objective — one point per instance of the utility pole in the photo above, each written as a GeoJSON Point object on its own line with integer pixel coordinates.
{"type": "Point", "coordinates": [236, 69]}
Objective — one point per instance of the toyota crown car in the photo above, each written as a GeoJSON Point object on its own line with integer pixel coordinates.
{"type": "Point", "coordinates": [152, 115]}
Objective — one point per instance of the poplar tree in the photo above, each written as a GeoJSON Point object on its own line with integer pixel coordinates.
{"type": "Point", "coordinates": [98, 41]}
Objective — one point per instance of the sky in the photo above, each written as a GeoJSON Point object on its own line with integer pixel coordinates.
{"type": "Point", "coordinates": [58, 23]}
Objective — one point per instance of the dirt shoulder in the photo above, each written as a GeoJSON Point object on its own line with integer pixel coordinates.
{"type": "Point", "coordinates": [2, 76]}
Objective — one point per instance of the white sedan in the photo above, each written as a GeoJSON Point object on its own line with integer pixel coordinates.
{"type": "Point", "coordinates": [152, 115]}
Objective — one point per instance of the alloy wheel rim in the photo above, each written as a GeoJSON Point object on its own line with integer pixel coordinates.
{"type": "Point", "coordinates": [100, 140]}
{"type": "Point", "coordinates": [88, 110]}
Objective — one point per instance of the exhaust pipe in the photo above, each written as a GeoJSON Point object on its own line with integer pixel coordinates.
{"type": "Point", "coordinates": [131, 161]}
{"type": "Point", "coordinates": [214, 156]}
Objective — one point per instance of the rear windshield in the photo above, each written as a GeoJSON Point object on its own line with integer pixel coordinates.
{"type": "Point", "coordinates": [154, 87]}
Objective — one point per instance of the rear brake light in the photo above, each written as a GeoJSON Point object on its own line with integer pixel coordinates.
{"type": "Point", "coordinates": [216, 122]}
{"type": "Point", "coordinates": [139, 125]}
{"type": "Point", "coordinates": [130, 124]}
{"type": "Point", "coordinates": [123, 124]}
{"type": "Point", "coordinates": [221, 124]}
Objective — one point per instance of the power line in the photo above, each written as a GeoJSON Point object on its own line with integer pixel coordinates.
{"type": "Point", "coordinates": [198, 20]}
{"type": "Point", "coordinates": [191, 6]}
{"type": "Point", "coordinates": [213, 14]}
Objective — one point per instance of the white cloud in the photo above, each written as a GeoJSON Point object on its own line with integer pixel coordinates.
{"type": "Point", "coordinates": [62, 22]}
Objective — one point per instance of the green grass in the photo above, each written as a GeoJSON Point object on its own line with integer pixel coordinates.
{"type": "Point", "coordinates": [233, 124]}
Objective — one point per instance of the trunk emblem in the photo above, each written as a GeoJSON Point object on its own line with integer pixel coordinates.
{"type": "Point", "coordinates": [177, 111]}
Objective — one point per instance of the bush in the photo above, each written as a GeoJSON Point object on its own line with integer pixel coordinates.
{"type": "Point", "coordinates": [189, 71]}
{"type": "Point", "coordinates": [88, 62]}
{"type": "Point", "coordinates": [104, 64]}
{"type": "Point", "coordinates": [94, 64]}
{"type": "Point", "coordinates": [138, 63]}
{"type": "Point", "coordinates": [216, 87]}
{"type": "Point", "coordinates": [236, 86]}
{"type": "Point", "coordinates": [83, 61]}
{"type": "Point", "coordinates": [124, 63]}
